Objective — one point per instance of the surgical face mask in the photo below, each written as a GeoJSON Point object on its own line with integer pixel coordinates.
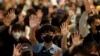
{"type": "Point", "coordinates": [23, 34]}
{"type": "Point", "coordinates": [67, 8]}
{"type": "Point", "coordinates": [17, 35]}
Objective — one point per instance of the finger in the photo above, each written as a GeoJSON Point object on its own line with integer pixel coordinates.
{"type": "Point", "coordinates": [7, 15]}
{"type": "Point", "coordinates": [20, 48]}
{"type": "Point", "coordinates": [61, 28]}
{"type": "Point", "coordinates": [10, 11]}
{"type": "Point", "coordinates": [72, 38]}
{"type": "Point", "coordinates": [18, 45]}
{"type": "Point", "coordinates": [64, 25]}
{"type": "Point", "coordinates": [78, 34]}
{"type": "Point", "coordinates": [74, 34]}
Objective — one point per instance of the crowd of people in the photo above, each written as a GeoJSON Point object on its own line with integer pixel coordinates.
{"type": "Point", "coordinates": [49, 28]}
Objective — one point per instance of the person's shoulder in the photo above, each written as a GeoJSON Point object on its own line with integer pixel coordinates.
{"type": "Point", "coordinates": [56, 47]}
{"type": "Point", "coordinates": [58, 51]}
{"type": "Point", "coordinates": [88, 36]}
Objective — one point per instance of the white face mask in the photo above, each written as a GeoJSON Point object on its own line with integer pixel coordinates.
{"type": "Point", "coordinates": [17, 35]}
{"type": "Point", "coordinates": [23, 34]}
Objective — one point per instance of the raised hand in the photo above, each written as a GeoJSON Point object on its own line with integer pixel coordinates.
{"type": "Point", "coordinates": [17, 50]}
{"type": "Point", "coordinates": [64, 32]}
{"type": "Point", "coordinates": [9, 17]}
{"type": "Point", "coordinates": [87, 6]}
{"type": "Point", "coordinates": [64, 29]}
{"type": "Point", "coordinates": [76, 40]}
{"type": "Point", "coordinates": [7, 21]}
{"type": "Point", "coordinates": [39, 14]}
{"type": "Point", "coordinates": [34, 21]}
{"type": "Point", "coordinates": [11, 14]}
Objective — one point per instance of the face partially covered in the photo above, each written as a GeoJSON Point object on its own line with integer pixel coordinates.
{"type": "Point", "coordinates": [18, 31]}
{"type": "Point", "coordinates": [47, 37]}
{"type": "Point", "coordinates": [17, 34]}
{"type": "Point", "coordinates": [96, 24]}
{"type": "Point", "coordinates": [47, 33]}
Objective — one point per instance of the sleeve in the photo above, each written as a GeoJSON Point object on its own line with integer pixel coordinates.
{"type": "Point", "coordinates": [83, 27]}
{"type": "Point", "coordinates": [27, 31]}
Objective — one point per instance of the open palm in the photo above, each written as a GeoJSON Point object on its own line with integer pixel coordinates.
{"type": "Point", "coordinates": [17, 50]}
{"type": "Point", "coordinates": [76, 40]}
{"type": "Point", "coordinates": [64, 29]}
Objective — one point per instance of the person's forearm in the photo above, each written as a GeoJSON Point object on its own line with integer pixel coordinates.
{"type": "Point", "coordinates": [32, 37]}
{"type": "Point", "coordinates": [71, 49]}
{"type": "Point", "coordinates": [64, 43]}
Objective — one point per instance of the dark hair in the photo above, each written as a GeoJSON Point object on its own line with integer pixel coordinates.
{"type": "Point", "coordinates": [91, 19]}
{"type": "Point", "coordinates": [57, 29]}
{"type": "Point", "coordinates": [31, 11]}
{"type": "Point", "coordinates": [80, 49]}
{"type": "Point", "coordinates": [18, 27]}
{"type": "Point", "coordinates": [18, 11]}
{"type": "Point", "coordinates": [47, 28]}
{"type": "Point", "coordinates": [45, 11]}
{"type": "Point", "coordinates": [45, 20]}
{"type": "Point", "coordinates": [20, 6]}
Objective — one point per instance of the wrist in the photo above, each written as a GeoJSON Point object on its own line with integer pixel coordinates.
{"type": "Point", "coordinates": [71, 48]}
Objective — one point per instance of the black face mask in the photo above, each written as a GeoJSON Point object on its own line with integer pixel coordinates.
{"type": "Point", "coordinates": [98, 28]}
{"type": "Point", "coordinates": [47, 38]}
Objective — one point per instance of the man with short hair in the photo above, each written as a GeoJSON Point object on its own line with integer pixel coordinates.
{"type": "Point", "coordinates": [47, 47]}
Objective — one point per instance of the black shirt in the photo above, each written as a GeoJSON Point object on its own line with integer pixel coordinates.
{"type": "Point", "coordinates": [91, 37]}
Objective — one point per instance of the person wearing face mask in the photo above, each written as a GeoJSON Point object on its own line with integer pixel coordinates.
{"type": "Point", "coordinates": [17, 32]}
{"type": "Point", "coordinates": [16, 36]}
{"type": "Point", "coordinates": [94, 35]}
{"type": "Point", "coordinates": [47, 48]}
